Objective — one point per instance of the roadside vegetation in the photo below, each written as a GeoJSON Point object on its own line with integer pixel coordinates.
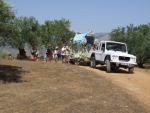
{"type": "Point", "coordinates": [19, 31]}
{"type": "Point", "coordinates": [29, 87]}
{"type": "Point", "coordinates": [138, 40]}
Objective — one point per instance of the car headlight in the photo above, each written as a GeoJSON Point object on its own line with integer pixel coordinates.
{"type": "Point", "coordinates": [114, 57]}
{"type": "Point", "coordinates": [133, 59]}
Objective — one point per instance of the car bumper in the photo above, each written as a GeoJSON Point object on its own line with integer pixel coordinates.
{"type": "Point", "coordinates": [124, 64]}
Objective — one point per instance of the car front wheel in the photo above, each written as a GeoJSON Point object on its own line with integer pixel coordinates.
{"type": "Point", "coordinates": [131, 70]}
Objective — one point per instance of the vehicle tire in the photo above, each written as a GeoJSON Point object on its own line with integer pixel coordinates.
{"type": "Point", "coordinates": [92, 62]}
{"type": "Point", "coordinates": [76, 62]}
{"type": "Point", "coordinates": [108, 66]}
{"type": "Point", "coordinates": [131, 70]}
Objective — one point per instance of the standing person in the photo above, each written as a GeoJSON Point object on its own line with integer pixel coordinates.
{"type": "Point", "coordinates": [63, 53]}
{"type": "Point", "coordinates": [45, 56]}
{"type": "Point", "coordinates": [49, 54]}
{"type": "Point", "coordinates": [34, 54]}
{"type": "Point", "coordinates": [67, 54]}
{"type": "Point", "coordinates": [56, 54]}
{"type": "Point", "coordinates": [37, 55]}
{"type": "Point", "coordinates": [59, 54]}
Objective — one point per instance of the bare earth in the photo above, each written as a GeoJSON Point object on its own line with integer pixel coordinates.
{"type": "Point", "coordinates": [40, 87]}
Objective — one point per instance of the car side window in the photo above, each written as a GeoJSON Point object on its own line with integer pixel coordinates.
{"type": "Point", "coordinates": [103, 47]}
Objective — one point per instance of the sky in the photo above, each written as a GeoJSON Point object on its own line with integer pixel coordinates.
{"type": "Point", "coordinates": [86, 15]}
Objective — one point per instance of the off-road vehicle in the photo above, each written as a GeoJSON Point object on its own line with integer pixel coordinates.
{"type": "Point", "coordinates": [112, 54]}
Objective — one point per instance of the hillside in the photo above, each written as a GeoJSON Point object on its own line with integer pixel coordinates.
{"type": "Point", "coordinates": [102, 36]}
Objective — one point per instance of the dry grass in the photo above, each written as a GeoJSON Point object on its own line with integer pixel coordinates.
{"type": "Point", "coordinates": [60, 88]}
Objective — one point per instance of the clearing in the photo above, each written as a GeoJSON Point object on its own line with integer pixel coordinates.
{"type": "Point", "coordinates": [40, 87]}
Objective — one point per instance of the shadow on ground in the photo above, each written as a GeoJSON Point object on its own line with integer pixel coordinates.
{"type": "Point", "coordinates": [147, 66]}
{"type": "Point", "coordinates": [10, 74]}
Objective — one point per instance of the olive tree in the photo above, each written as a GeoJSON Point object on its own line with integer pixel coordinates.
{"type": "Point", "coordinates": [55, 32]}
{"type": "Point", "coordinates": [6, 20]}
{"type": "Point", "coordinates": [25, 31]}
{"type": "Point", "coordinates": [137, 39]}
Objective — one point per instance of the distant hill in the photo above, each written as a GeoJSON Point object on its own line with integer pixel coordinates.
{"type": "Point", "coordinates": [102, 36]}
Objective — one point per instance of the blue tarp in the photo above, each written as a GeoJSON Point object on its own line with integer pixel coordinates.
{"type": "Point", "coordinates": [79, 38]}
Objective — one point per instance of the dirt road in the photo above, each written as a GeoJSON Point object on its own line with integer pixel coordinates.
{"type": "Point", "coordinates": [136, 84]}
{"type": "Point", "coordinates": [39, 87]}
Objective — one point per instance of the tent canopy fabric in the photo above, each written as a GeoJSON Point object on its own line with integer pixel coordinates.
{"type": "Point", "coordinates": [83, 38]}
{"type": "Point", "coordinates": [79, 38]}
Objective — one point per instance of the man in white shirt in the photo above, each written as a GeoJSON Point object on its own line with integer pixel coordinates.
{"type": "Point", "coordinates": [63, 53]}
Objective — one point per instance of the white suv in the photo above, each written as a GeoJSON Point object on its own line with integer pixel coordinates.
{"type": "Point", "coordinates": [113, 54]}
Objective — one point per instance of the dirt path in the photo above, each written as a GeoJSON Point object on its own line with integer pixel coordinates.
{"type": "Point", "coordinates": [39, 87]}
{"type": "Point", "coordinates": [136, 84]}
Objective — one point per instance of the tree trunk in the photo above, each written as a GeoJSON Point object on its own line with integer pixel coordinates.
{"type": "Point", "coordinates": [140, 65]}
{"type": "Point", "coordinates": [22, 54]}
{"type": "Point", "coordinates": [140, 62]}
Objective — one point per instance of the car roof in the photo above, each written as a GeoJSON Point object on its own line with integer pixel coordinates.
{"type": "Point", "coordinates": [114, 42]}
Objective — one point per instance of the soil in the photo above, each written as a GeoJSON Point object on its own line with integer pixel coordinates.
{"type": "Point", "coordinates": [49, 87]}
{"type": "Point", "coordinates": [136, 84]}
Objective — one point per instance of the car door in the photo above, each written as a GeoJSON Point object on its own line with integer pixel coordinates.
{"type": "Point", "coordinates": [100, 52]}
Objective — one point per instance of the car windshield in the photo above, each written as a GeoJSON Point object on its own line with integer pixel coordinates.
{"type": "Point", "coordinates": [116, 46]}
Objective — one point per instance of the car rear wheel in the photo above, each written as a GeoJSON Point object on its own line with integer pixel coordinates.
{"type": "Point", "coordinates": [76, 62]}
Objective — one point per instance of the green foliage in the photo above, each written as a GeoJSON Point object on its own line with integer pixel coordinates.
{"type": "Point", "coordinates": [17, 32]}
{"type": "Point", "coordinates": [6, 18]}
{"type": "Point", "coordinates": [137, 39]}
{"type": "Point", "coordinates": [25, 31]}
{"type": "Point", "coordinates": [56, 32]}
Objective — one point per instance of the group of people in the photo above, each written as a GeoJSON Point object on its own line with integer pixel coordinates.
{"type": "Point", "coordinates": [55, 54]}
